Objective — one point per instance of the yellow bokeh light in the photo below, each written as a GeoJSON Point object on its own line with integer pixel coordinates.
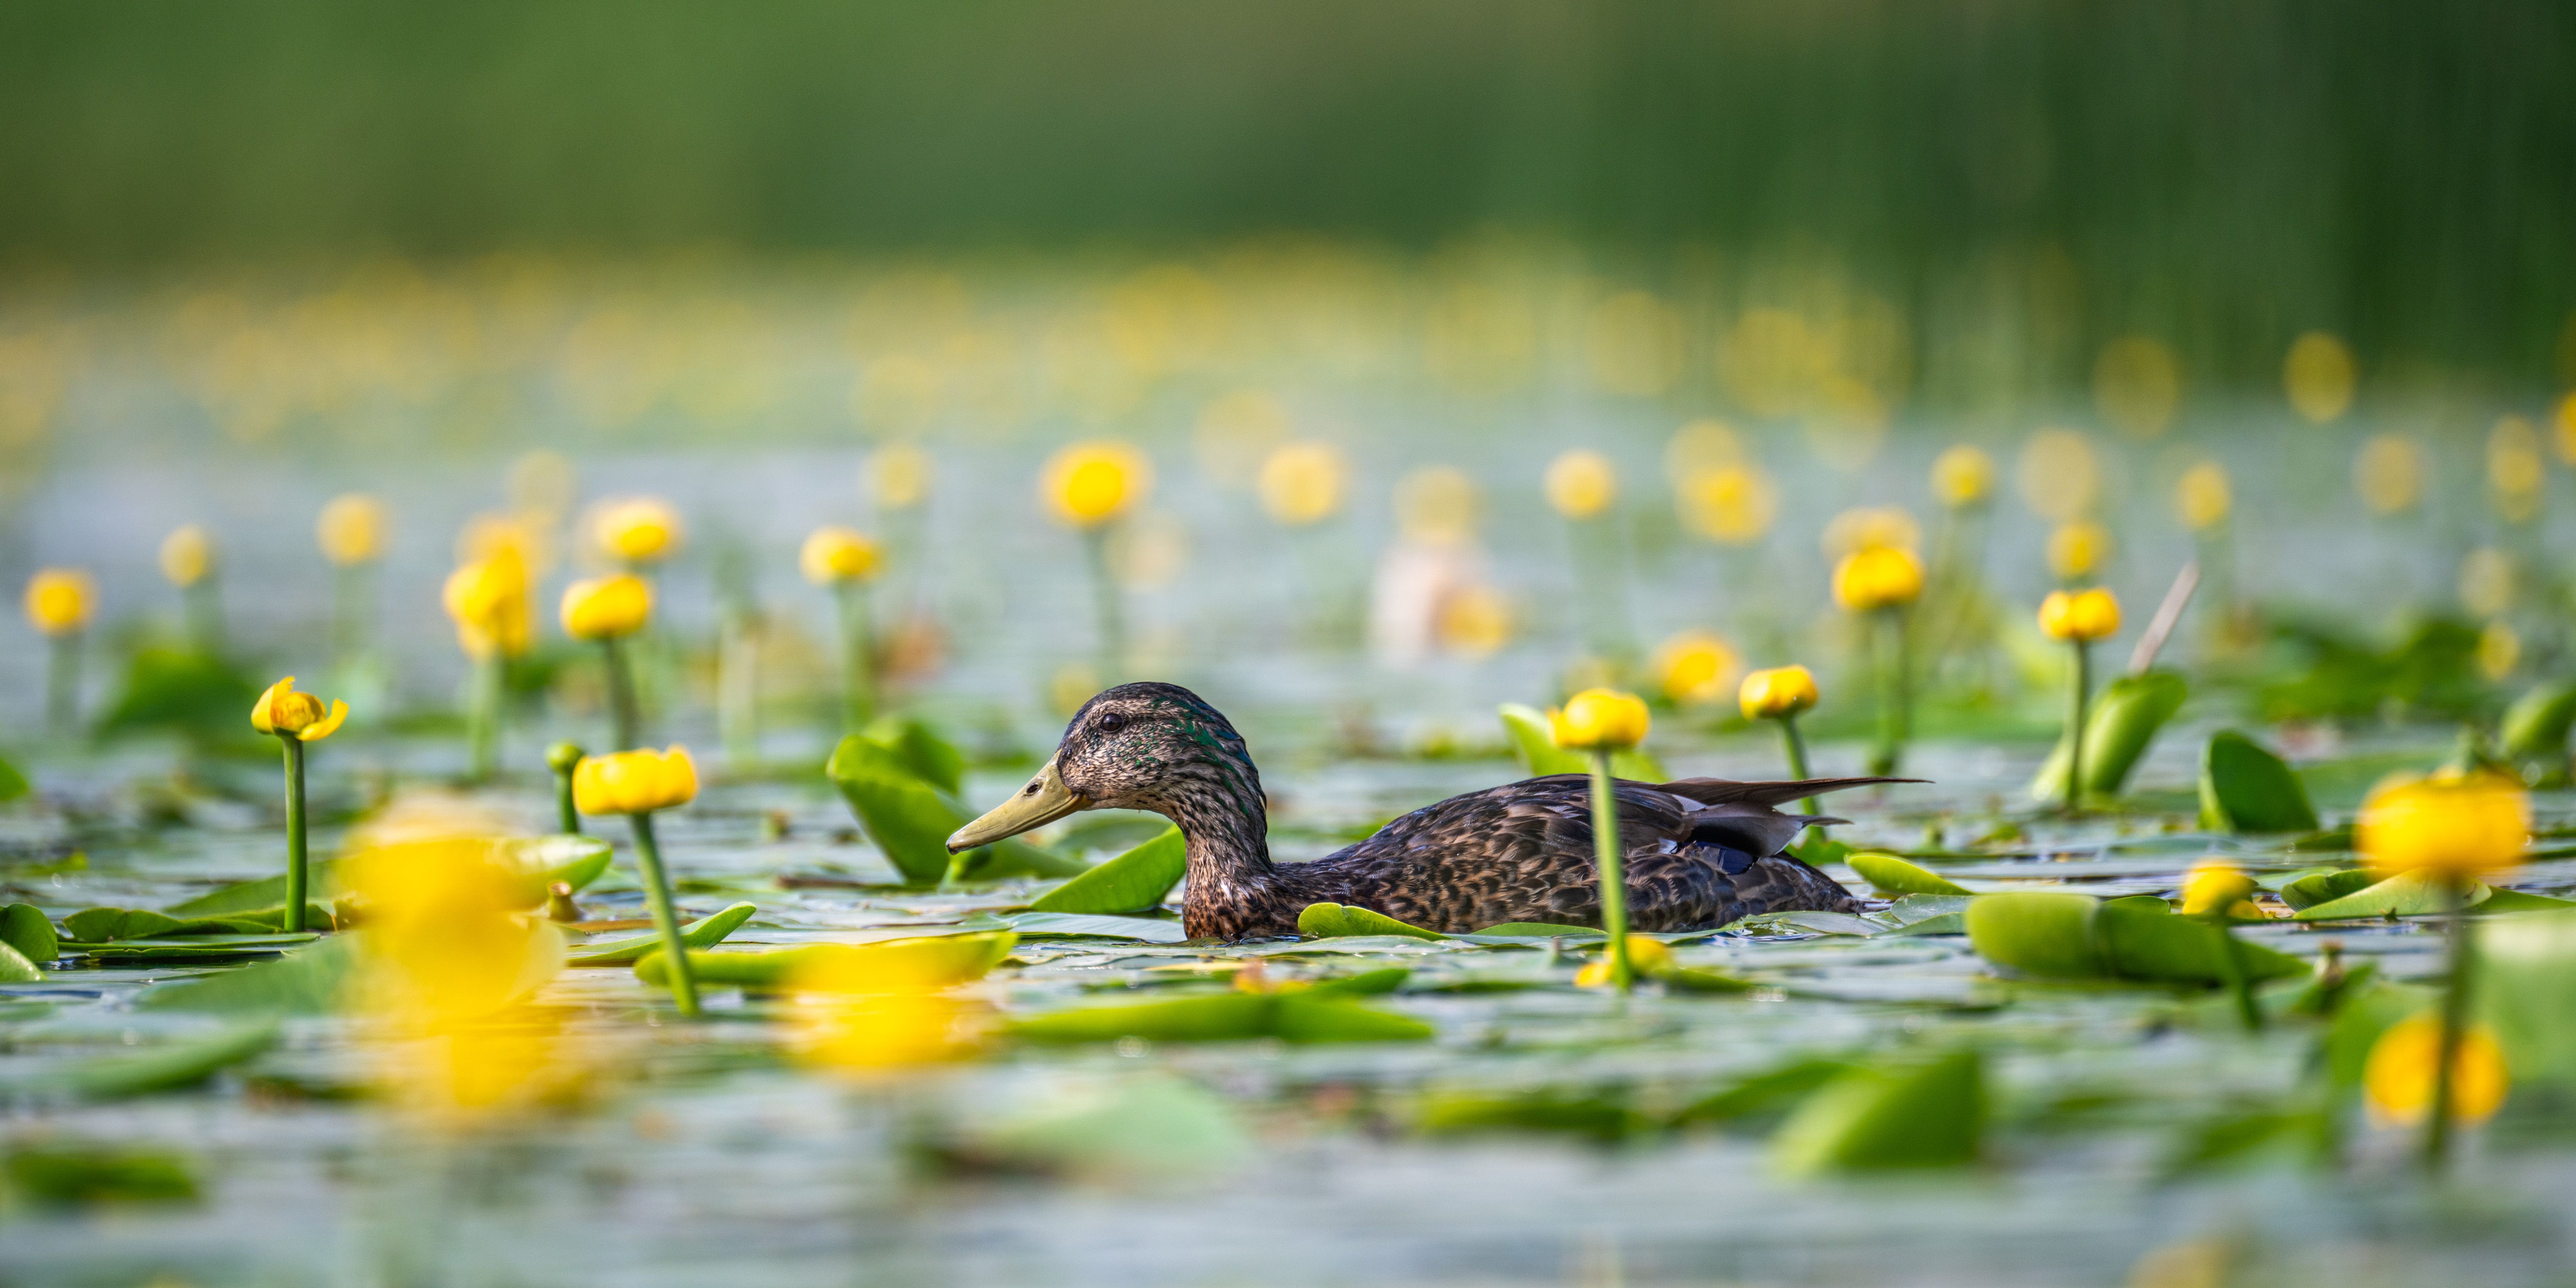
{"type": "Point", "coordinates": [2318, 376]}
{"type": "Point", "coordinates": [2060, 476]}
{"type": "Point", "coordinates": [2202, 496]}
{"type": "Point", "coordinates": [2486, 582]}
{"type": "Point", "coordinates": [1436, 504]}
{"type": "Point", "coordinates": [2137, 384]}
{"type": "Point", "coordinates": [1581, 484]}
{"type": "Point", "coordinates": [1731, 504]}
{"type": "Point", "coordinates": [2515, 469]}
{"type": "Point", "coordinates": [2388, 472]}
{"type": "Point", "coordinates": [1303, 483]}
{"type": "Point", "coordinates": [1635, 344]}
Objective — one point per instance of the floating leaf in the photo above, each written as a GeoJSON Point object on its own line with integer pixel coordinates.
{"type": "Point", "coordinates": [2526, 989]}
{"type": "Point", "coordinates": [536, 862]}
{"type": "Point", "coordinates": [177, 948]}
{"type": "Point", "coordinates": [1700, 979]}
{"type": "Point", "coordinates": [1320, 1017]}
{"type": "Point", "coordinates": [1930, 1115]}
{"type": "Point", "coordinates": [2123, 720]}
{"type": "Point", "coordinates": [1133, 882]}
{"type": "Point", "coordinates": [1076, 925]}
{"type": "Point", "coordinates": [2408, 894]}
{"type": "Point", "coordinates": [2244, 788]}
{"type": "Point", "coordinates": [2146, 941]}
{"type": "Point", "coordinates": [1948, 923]}
{"type": "Point", "coordinates": [2536, 725]}
{"type": "Point", "coordinates": [12, 783]}
{"type": "Point", "coordinates": [2037, 932]}
{"type": "Point", "coordinates": [183, 690]}
{"type": "Point", "coordinates": [16, 969]}
{"type": "Point", "coordinates": [911, 819]}
{"type": "Point", "coordinates": [2324, 885]}
{"type": "Point", "coordinates": [308, 981]}
{"type": "Point", "coordinates": [1764, 1092]}
{"type": "Point", "coordinates": [1593, 1115]}
{"type": "Point", "coordinates": [1150, 1126]}
{"type": "Point", "coordinates": [1367, 982]}
{"type": "Point", "coordinates": [706, 932]}
{"type": "Point", "coordinates": [1337, 920]}
{"type": "Point", "coordinates": [1535, 743]}
{"type": "Point", "coordinates": [176, 1064]}
{"type": "Point", "coordinates": [2503, 901]}
{"type": "Point", "coordinates": [935, 962]}
{"type": "Point", "coordinates": [1890, 875]}
{"type": "Point", "coordinates": [23, 926]}
{"type": "Point", "coordinates": [1302, 1016]}
{"type": "Point", "coordinates": [54, 1176]}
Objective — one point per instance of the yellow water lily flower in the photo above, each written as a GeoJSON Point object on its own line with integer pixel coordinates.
{"type": "Point", "coordinates": [1649, 957]}
{"type": "Point", "coordinates": [836, 554]}
{"type": "Point", "coordinates": [1963, 476]}
{"type": "Point", "coordinates": [2398, 1078]}
{"type": "Point", "coordinates": [859, 1011]}
{"type": "Point", "coordinates": [1600, 720]}
{"type": "Point", "coordinates": [2215, 885]}
{"type": "Point", "coordinates": [638, 530]}
{"type": "Point", "coordinates": [187, 555]}
{"type": "Point", "coordinates": [351, 530]}
{"type": "Point", "coordinates": [902, 474]}
{"type": "Point", "coordinates": [1877, 577]}
{"type": "Point", "coordinates": [635, 782]}
{"type": "Point", "coordinates": [1302, 483]}
{"type": "Point", "coordinates": [488, 598]}
{"type": "Point", "coordinates": [2202, 496]}
{"type": "Point", "coordinates": [2080, 616]}
{"type": "Point", "coordinates": [60, 601]}
{"type": "Point", "coordinates": [607, 608]}
{"type": "Point", "coordinates": [2455, 825]}
{"type": "Point", "coordinates": [1581, 484]}
{"type": "Point", "coordinates": [289, 714]}
{"type": "Point", "coordinates": [1732, 503]}
{"type": "Point", "coordinates": [2318, 376]}
{"type": "Point", "coordinates": [1696, 668]}
{"type": "Point", "coordinates": [1776, 692]}
{"type": "Point", "coordinates": [1089, 484]}
{"type": "Point", "coordinates": [2078, 549]}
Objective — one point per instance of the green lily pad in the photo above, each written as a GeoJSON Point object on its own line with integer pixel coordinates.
{"type": "Point", "coordinates": [2536, 725]}
{"type": "Point", "coordinates": [1367, 982]}
{"type": "Point", "coordinates": [2325, 885]}
{"type": "Point", "coordinates": [706, 932]}
{"type": "Point", "coordinates": [1593, 1115]}
{"type": "Point", "coordinates": [1874, 1119]}
{"type": "Point", "coordinates": [1948, 923]}
{"type": "Point", "coordinates": [911, 819]}
{"type": "Point", "coordinates": [1133, 882]}
{"type": "Point", "coordinates": [2526, 990]}
{"type": "Point", "coordinates": [12, 783]}
{"type": "Point", "coordinates": [16, 969]}
{"type": "Point", "coordinates": [2118, 727]}
{"type": "Point", "coordinates": [1232, 1017]}
{"type": "Point", "coordinates": [23, 926]}
{"type": "Point", "coordinates": [1764, 1092]}
{"type": "Point", "coordinates": [175, 948]}
{"type": "Point", "coordinates": [1890, 875]}
{"type": "Point", "coordinates": [307, 981]}
{"type": "Point", "coordinates": [176, 1064]}
{"type": "Point", "coordinates": [538, 862]}
{"type": "Point", "coordinates": [2408, 894]}
{"type": "Point", "coordinates": [1535, 743]}
{"type": "Point", "coordinates": [2503, 901]}
{"type": "Point", "coordinates": [1336, 921]}
{"type": "Point", "coordinates": [937, 961]}
{"type": "Point", "coordinates": [2148, 942]}
{"type": "Point", "coordinates": [2037, 932]}
{"type": "Point", "coordinates": [97, 1176]}
{"type": "Point", "coordinates": [921, 750]}
{"type": "Point", "coordinates": [2244, 788]}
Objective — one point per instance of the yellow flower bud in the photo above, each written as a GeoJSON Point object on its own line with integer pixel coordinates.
{"type": "Point", "coordinates": [1581, 484]}
{"type": "Point", "coordinates": [606, 608]}
{"type": "Point", "coordinates": [1473, 621]}
{"type": "Point", "coordinates": [1963, 476]}
{"type": "Point", "coordinates": [351, 530]}
{"type": "Point", "coordinates": [187, 555]}
{"type": "Point", "coordinates": [1697, 668]}
{"type": "Point", "coordinates": [1877, 577]}
{"type": "Point", "coordinates": [838, 554]}
{"type": "Point", "coordinates": [2078, 549]}
{"type": "Point", "coordinates": [2081, 616]}
{"type": "Point", "coordinates": [2454, 825]}
{"type": "Point", "coordinates": [2397, 1079]}
{"type": "Point", "coordinates": [287, 713]}
{"type": "Point", "coordinates": [1776, 693]}
{"type": "Point", "coordinates": [60, 600]}
{"type": "Point", "coordinates": [488, 598]}
{"type": "Point", "coordinates": [1865, 527]}
{"type": "Point", "coordinates": [1301, 483]}
{"type": "Point", "coordinates": [1648, 957]}
{"type": "Point", "coordinates": [1089, 484]}
{"type": "Point", "coordinates": [2202, 497]}
{"type": "Point", "coordinates": [2216, 886]}
{"type": "Point", "coordinates": [1600, 720]}
{"type": "Point", "coordinates": [1733, 504]}
{"type": "Point", "coordinates": [640, 530]}
{"type": "Point", "coordinates": [635, 782]}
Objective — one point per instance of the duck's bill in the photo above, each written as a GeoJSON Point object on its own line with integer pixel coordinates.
{"type": "Point", "coordinates": [1043, 801]}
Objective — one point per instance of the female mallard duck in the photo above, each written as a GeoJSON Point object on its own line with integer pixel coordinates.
{"type": "Point", "coordinates": [1700, 852]}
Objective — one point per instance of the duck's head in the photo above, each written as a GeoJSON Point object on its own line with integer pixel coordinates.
{"type": "Point", "coordinates": [1147, 746]}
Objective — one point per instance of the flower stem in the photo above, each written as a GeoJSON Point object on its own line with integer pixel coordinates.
{"type": "Point", "coordinates": [858, 656]}
{"type": "Point", "coordinates": [2078, 692]}
{"type": "Point", "coordinates": [1895, 690]}
{"type": "Point", "coordinates": [62, 683]}
{"type": "Point", "coordinates": [1614, 888]}
{"type": "Point", "coordinates": [1113, 617]}
{"type": "Point", "coordinates": [567, 818]}
{"type": "Point", "coordinates": [624, 722]}
{"type": "Point", "coordinates": [1797, 743]}
{"type": "Point", "coordinates": [657, 892]}
{"type": "Point", "coordinates": [2455, 1022]}
{"type": "Point", "coordinates": [483, 718]}
{"type": "Point", "coordinates": [294, 920]}
{"type": "Point", "coordinates": [2231, 966]}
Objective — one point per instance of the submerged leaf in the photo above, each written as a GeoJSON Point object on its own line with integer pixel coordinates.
{"type": "Point", "coordinates": [1133, 882]}
{"type": "Point", "coordinates": [2244, 788]}
{"type": "Point", "coordinates": [1336, 920]}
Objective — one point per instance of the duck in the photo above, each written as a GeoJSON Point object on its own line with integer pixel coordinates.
{"type": "Point", "coordinates": [1698, 852]}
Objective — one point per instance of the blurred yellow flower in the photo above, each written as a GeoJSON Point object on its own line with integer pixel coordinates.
{"type": "Point", "coordinates": [2078, 549]}
{"type": "Point", "coordinates": [837, 554]}
{"type": "Point", "coordinates": [1301, 483]}
{"type": "Point", "coordinates": [635, 782]}
{"type": "Point", "coordinates": [1869, 528]}
{"type": "Point", "coordinates": [1733, 504]}
{"type": "Point", "coordinates": [1963, 476]}
{"type": "Point", "coordinates": [2486, 582]}
{"type": "Point", "coordinates": [2389, 474]}
{"type": "Point", "coordinates": [351, 530]}
{"type": "Point", "coordinates": [490, 603]}
{"type": "Point", "coordinates": [1581, 484]}
{"type": "Point", "coordinates": [1702, 445]}
{"type": "Point", "coordinates": [2318, 376]}
{"type": "Point", "coordinates": [861, 1009]}
{"type": "Point", "coordinates": [2515, 469]}
{"type": "Point", "coordinates": [187, 555]}
{"type": "Point", "coordinates": [1697, 668]}
{"type": "Point", "coordinates": [283, 711]}
{"type": "Point", "coordinates": [606, 608]}
{"type": "Point", "coordinates": [2216, 885]}
{"type": "Point", "coordinates": [491, 536]}
{"type": "Point", "coordinates": [2059, 475]}
{"type": "Point", "coordinates": [1648, 957]}
{"type": "Point", "coordinates": [1473, 621]}
{"type": "Point", "coordinates": [2203, 497]}
{"type": "Point", "coordinates": [1089, 484]}
{"type": "Point", "coordinates": [1636, 343]}
{"type": "Point", "coordinates": [2456, 825]}
{"type": "Point", "coordinates": [2397, 1079]}
{"type": "Point", "coordinates": [637, 530]}
{"type": "Point", "coordinates": [1777, 692]}
{"type": "Point", "coordinates": [2081, 616]}
{"type": "Point", "coordinates": [60, 601]}
{"type": "Point", "coordinates": [2137, 384]}
{"type": "Point", "coordinates": [1437, 505]}
{"type": "Point", "coordinates": [1600, 720]}
{"type": "Point", "coordinates": [1877, 577]}
{"type": "Point", "coordinates": [902, 474]}
{"type": "Point", "coordinates": [2499, 651]}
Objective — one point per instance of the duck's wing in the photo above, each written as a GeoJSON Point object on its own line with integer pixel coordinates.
{"type": "Point", "coordinates": [1726, 791]}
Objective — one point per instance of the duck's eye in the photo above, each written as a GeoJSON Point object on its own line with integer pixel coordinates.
{"type": "Point", "coordinates": [1112, 722]}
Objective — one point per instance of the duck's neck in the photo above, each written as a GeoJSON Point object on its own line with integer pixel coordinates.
{"type": "Point", "coordinates": [1225, 825]}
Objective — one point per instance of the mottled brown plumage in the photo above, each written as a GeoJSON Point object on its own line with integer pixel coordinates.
{"type": "Point", "coordinates": [1699, 852]}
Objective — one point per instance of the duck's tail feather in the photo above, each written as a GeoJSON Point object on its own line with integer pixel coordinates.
{"type": "Point", "coordinates": [1720, 791]}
